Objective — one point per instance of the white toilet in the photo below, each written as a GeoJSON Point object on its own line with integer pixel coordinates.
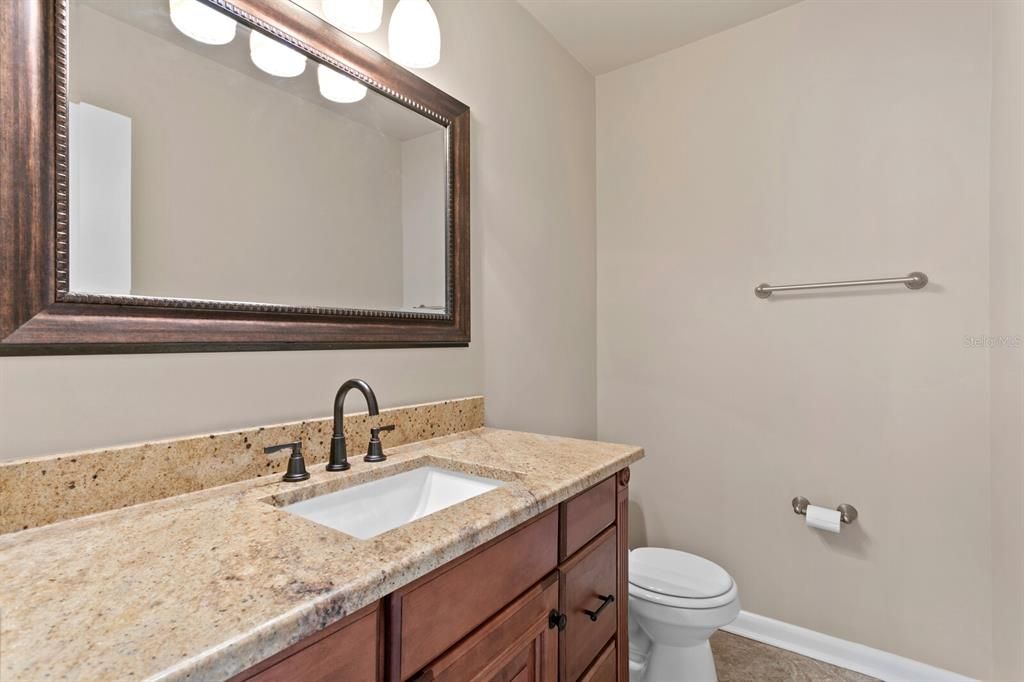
{"type": "Point", "coordinates": [676, 602]}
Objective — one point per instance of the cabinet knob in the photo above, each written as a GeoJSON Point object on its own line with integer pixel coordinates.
{"type": "Point", "coordinates": [557, 620]}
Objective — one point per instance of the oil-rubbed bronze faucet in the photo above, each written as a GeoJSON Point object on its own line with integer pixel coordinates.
{"type": "Point", "coordinates": [296, 464]}
{"type": "Point", "coordinates": [375, 451]}
{"type": "Point", "coordinates": [339, 454]}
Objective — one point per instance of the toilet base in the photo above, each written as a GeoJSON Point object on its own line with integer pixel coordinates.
{"type": "Point", "coordinates": [693, 663]}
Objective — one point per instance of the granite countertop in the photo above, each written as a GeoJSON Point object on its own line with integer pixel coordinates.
{"type": "Point", "coordinates": [204, 585]}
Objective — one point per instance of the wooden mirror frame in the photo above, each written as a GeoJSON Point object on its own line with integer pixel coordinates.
{"type": "Point", "coordinates": [39, 316]}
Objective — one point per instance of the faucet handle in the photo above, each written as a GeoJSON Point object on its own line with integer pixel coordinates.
{"type": "Point", "coordinates": [296, 463]}
{"type": "Point", "coordinates": [375, 451]}
{"type": "Point", "coordinates": [294, 447]}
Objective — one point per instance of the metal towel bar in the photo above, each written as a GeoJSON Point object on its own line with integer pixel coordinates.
{"type": "Point", "coordinates": [915, 280]}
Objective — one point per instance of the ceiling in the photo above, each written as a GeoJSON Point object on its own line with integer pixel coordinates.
{"type": "Point", "coordinates": [607, 34]}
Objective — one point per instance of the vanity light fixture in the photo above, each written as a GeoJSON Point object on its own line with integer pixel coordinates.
{"type": "Point", "coordinates": [275, 58]}
{"type": "Point", "coordinates": [338, 87]}
{"type": "Point", "coordinates": [414, 36]}
{"type": "Point", "coordinates": [201, 22]}
{"type": "Point", "coordinates": [354, 16]}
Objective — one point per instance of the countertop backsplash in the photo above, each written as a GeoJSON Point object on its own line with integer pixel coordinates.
{"type": "Point", "coordinates": [39, 491]}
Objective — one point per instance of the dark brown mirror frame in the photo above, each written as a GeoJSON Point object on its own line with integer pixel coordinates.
{"type": "Point", "coordinates": [38, 316]}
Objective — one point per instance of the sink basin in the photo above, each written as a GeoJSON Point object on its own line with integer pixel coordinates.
{"type": "Point", "coordinates": [372, 508]}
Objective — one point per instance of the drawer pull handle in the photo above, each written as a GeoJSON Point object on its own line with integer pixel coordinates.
{"type": "Point", "coordinates": [557, 620]}
{"type": "Point", "coordinates": [605, 601]}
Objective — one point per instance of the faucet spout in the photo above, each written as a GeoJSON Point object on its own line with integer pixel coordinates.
{"type": "Point", "coordinates": [339, 453]}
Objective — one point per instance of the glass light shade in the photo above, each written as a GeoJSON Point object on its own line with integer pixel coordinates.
{"type": "Point", "coordinates": [202, 23]}
{"type": "Point", "coordinates": [275, 58]}
{"type": "Point", "coordinates": [414, 36]}
{"type": "Point", "coordinates": [354, 16]}
{"type": "Point", "coordinates": [338, 87]}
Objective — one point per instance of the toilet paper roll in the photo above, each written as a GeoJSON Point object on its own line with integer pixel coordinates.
{"type": "Point", "coordinates": [823, 519]}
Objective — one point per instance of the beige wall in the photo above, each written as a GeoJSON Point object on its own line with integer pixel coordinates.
{"type": "Point", "coordinates": [535, 201]}
{"type": "Point", "coordinates": [533, 284]}
{"type": "Point", "coordinates": [829, 140]}
{"type": "Point", "coordinates": [1007, 358]}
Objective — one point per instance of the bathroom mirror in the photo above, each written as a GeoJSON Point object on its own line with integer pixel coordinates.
{"type": "Point", "coordinates": [340, 189]}
{"type": "Point", "coordinates": [230, 175]}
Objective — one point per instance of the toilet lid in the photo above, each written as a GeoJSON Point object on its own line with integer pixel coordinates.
{"type": "Point", "coordinates": [677, 574]}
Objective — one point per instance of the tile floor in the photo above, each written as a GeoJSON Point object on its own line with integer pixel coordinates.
{"type": "Point", "coordinates": [743, 660]}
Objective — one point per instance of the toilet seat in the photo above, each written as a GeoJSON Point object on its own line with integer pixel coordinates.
{"type": "Point", "coordinates": [678, 579]}
{"type": "Point", "coordinates": [682, 602]}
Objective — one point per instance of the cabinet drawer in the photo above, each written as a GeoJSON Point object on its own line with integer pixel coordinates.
{"type": "Point", "coordinates": [588, 579]}
{"type": "Point", "coordinates": [603, 669]}
{"type": "Point", "coordinates": [517, 644]}
{"type": "Point", "coordinates": [349, 650]}
{"type": "Point", "coordinates": [586, 515]}
{"type": "Point", "coordinates": [431, 614]}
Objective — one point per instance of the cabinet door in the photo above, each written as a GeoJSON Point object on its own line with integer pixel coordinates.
{"type": "Point", "coordinates": [589, 593]}
{"type": "Point", "coordinates": [516, 645]}
{"type": "Point", "coordinates": [603, 669]}
{"type": "Point", "coordinates": [431, 615]}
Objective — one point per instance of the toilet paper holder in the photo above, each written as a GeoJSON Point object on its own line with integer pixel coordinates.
{"type": "Point", "coordinates": [847, 512]}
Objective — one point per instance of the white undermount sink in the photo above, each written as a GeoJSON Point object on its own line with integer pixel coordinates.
{"type": "Point", "coordinates": [372, 508]}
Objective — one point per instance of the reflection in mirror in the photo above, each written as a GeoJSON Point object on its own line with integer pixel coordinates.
{"type": "Point", "coordinates": [208, 161]}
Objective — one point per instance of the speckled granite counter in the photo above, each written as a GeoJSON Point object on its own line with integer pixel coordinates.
{"type": "Point", "coordinates": [204, 585]}
{"type": "Point", "coordinates": [39, 491]}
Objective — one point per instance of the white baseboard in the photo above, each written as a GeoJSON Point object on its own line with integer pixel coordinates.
{"type": "Point", "coordinates": [840, 652]}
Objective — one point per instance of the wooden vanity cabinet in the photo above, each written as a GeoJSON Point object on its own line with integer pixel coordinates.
{"type": "Point", "coordinates": [517, 645]}
{"type": "Point", "coordinates": [581, 550]}
{"type": "Point", "coordinates": [348, 650]}
{"type": "Point", "coordinates": [605, 667]}
{"type": "Point", "coordinates": [588, 593]}
{"type": "Point", "coordinates": [584, 516]}
{"type": "Point", "coordinates": [430, 615]}
{"type": "Point", "coordinates": [545, 602]}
